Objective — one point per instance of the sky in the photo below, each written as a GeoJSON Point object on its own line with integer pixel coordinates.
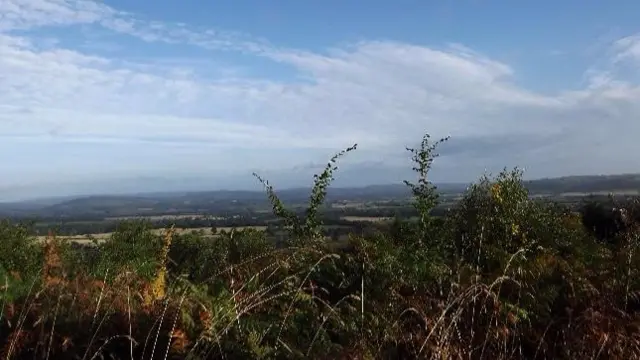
{"type": "Point", "coordinates": [203, 93]}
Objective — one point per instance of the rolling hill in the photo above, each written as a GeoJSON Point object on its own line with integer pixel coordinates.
{"type": "Point", "coordinates": [100, 206]}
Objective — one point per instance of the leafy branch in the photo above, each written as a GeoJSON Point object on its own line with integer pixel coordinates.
{"type": "Point", "coordinates": [424, 192]}
{"type": "Point", "coordinates": [308, 227]}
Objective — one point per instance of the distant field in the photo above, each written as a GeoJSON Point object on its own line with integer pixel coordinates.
{"type": "Point", "coordinates": [103, 236]}
{"type": "Point", "coordinates": [602, 193]}
{"type": "Point", "coordinates": [348, 205]}
{"type": "Point", "coordinates": [165, 217]}
{"type": "Point", "coordinates": [366, 218]}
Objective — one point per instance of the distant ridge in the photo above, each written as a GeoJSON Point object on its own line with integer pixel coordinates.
{"type": "Point", "coordinates": [177, 200]}
{"type": "Point", "coordinates": [585, 184]}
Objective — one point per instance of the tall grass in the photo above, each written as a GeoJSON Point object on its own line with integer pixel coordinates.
{"type": "Point", "coordinates": [500, 277]}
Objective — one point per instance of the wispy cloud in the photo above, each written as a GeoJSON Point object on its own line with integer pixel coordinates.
{"type": "Point", "coordinates": [628, 48]}
{"type": "Point", "coordinates": [381, 94]}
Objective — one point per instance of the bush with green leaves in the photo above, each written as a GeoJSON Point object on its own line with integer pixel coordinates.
{"type": "Point", "coordinates": [21, 259]}
{"type": "Point", "coordinates": [132, 247]}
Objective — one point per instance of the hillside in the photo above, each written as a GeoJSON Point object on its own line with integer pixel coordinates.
{"type": "Point", "coordinates": [585, 184]}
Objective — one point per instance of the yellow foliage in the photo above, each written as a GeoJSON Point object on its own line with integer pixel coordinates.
{"type": "Point", "coordinates": [158, 285]}
{"type": "Point", "coordinates": [496, 192]}
{"type": "Point", "coordinates": [515, 229]}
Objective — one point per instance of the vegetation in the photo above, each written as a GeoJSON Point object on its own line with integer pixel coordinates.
{"type": "Point", "coordinates": [499, 276]}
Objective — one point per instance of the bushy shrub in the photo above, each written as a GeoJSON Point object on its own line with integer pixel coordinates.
{"type": "Point", "coordinates": [132, 247]}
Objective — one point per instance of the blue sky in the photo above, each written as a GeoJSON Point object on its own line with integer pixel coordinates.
{"type": "Point", "coordinates": [94, 92]}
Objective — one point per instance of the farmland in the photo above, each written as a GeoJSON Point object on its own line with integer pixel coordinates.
{"type": "Point", "coordinates": [344, 207]}
{"type": "Point", "coordinates": [206, 232]}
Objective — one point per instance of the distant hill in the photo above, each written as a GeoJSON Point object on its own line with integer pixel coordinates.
{"type": "Point", "coordinates": [100, 206]}
{"type": "Point", "coordinates": [196, 202]}
{"type": "Point", "coordinates": [585, 184]}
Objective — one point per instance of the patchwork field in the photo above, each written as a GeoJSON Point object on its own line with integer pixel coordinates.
{"type": "Point", "coordinates": [83, 239]}
{"type": "Point", "coordinates": [366, 218]}
{"type": "Point", "coordinates": [165, 217]}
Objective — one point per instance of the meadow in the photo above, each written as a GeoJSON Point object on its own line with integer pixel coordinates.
{"type": "Point", "coordinates": [500, 276]}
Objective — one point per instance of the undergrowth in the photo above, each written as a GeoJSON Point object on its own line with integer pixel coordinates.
{"type": "Point", "coordinates": [501, 276]}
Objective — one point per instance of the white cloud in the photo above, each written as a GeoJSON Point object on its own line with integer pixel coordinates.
{"type": "Point", "coordinates": [628, 47]}
{"type": "Point", "coordinates": [383, 95]}
{"type": "Point", "coordinates": [26, 14]}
